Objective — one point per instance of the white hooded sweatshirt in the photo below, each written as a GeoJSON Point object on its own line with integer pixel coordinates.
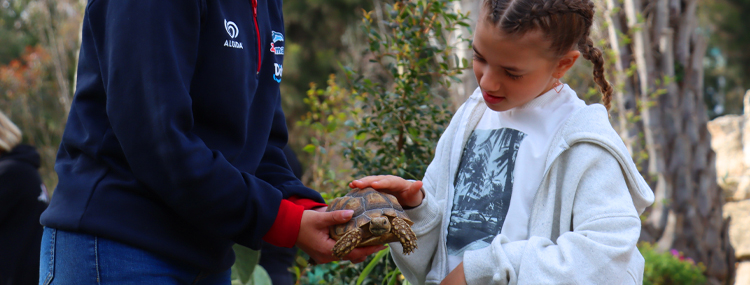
{"type": "Point", "coordinates": [584, 222]}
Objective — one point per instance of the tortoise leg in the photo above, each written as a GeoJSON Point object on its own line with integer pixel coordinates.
{"type": "Point", "coordinates": [347, 243]}
{"type": "Point", "coordinates": [404, 233]}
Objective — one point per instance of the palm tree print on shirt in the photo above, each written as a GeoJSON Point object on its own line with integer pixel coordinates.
{"type": "Point", "coordinates": [484, 184]}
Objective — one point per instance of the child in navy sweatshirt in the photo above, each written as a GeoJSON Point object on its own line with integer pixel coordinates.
{"type": "Point", "coordinates": [172, 151]}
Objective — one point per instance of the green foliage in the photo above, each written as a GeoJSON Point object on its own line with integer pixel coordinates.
{"type": "Point", "coordinates": [324, 125]}
{"type": "Point", "coordinates": [378, 269]}
{"type": "Point", "coordinates": [391, 118]}
{"type": "Point", "coordinates": [727, 62]}
{"type": "Point", "coordinates": [316, 33]}
{"type": "Point", "coordinates": [246, 270]}
{"type": "Point", "coordinates": [670, 267]}
{"type": "Point", "coordinates": [402, 114]}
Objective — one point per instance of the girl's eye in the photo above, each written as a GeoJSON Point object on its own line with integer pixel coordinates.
{"type": "Point", "coordinates": [477, 58]}
{"type": "Point", "coordinates": [514, 77]}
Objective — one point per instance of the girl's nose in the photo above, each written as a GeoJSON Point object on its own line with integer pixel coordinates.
{"type": "Point", "coordinates": [489, 81]}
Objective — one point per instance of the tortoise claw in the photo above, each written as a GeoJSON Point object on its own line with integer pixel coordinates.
{"type": "Point", "coordinates": [347, 243]}
{"type": "Point", "coordinates": [405, 234]}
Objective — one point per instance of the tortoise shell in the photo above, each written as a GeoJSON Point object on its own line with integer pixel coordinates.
{"type": "Point", "coordinates": [367, 203]}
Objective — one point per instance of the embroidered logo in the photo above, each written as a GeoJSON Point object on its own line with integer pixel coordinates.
{"type": "Point", "coordinates": [277, 37]}
{"type": "Point", "coordinates": [233, 32]}
{"type": "Point", "coordinates": [231, 28]}
{"type": "Point", "coordinates": [279, 69]}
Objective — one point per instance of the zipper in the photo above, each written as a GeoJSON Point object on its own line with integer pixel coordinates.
{"type": "Point", "coordinates": [257, 32]}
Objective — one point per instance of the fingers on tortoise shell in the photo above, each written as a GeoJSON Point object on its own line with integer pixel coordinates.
{"type": "Point", "coordinates": [405, 234]}
{"type": "Point", "coordinates": [347, 243]}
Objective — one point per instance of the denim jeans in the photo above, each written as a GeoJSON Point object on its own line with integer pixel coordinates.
{"type": "Point", "coordinates": [82, 259]}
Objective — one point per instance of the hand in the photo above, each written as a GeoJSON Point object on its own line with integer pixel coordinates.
{"type": "Point", "coordinates": [408, 193]}
{"type": "Point", "coordinates": [314, 240]}
{"type": "Point", "coordinates": [320, 209]}
{"type": "Point", "coordinates": [456, 276]}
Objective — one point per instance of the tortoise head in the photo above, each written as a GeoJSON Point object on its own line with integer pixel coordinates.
{"type": "Point", "coordinates": [380, 226]}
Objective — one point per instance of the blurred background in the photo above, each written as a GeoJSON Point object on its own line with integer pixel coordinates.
{"type": "Point", "coordinates": [354, 69]}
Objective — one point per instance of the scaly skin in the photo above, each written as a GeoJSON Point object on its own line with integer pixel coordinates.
{"type": "Point", "coordinates": [347, 243]}
{"type": "Point", "coordinates": [404, 233]}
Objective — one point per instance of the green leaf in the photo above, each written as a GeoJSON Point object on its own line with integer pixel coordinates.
{"type": "Point", "coordinates": [260, 276]}
{"type": "Point", "coordinates": [394, 276]}
{"type": "Point", "coordinates": [244, 264]}
{"type": "Point", "coordinates": [371, 265]}
{"type": "Point", "coordinates": [309, 148]}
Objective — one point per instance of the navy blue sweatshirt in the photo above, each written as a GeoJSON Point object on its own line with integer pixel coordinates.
{"type": "Point", "coordinates": [174, 139]}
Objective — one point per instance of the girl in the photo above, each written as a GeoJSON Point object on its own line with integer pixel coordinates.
{"type": "Point", "coordinates": [528, 184]}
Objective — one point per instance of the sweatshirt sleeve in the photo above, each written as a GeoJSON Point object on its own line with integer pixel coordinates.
{"type": "Point", "coordinates": [274, 166]}
{"type": "Point", "coordinates": [149, 107]}
{"type": "Point", "coordinates": [285, 229]}
{"type": "Point", "coordinates": [605, 230]}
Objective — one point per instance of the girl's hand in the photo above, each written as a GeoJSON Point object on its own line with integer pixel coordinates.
{"type": "Point", "coordinates": [408, 193]}
{"type": "Point", "coordinates": [456, 276]}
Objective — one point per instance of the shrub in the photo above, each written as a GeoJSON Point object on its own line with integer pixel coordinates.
{"type": "Point", "coordinates": [393, 120]}
{"type": "Point", "coordinates": [404, 110]}
{"type": "Point", "coordinates": [670, 267]}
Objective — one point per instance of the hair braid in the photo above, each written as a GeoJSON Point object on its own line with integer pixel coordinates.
{"type": "Point", "coordinates": [594, 54]}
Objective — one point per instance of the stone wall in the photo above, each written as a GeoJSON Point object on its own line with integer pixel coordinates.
{"type": "Point", "coordinates": [730, 139]}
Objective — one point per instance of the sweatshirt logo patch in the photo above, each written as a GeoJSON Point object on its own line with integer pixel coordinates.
{"type": "Point", "coordinates": [231, 28]}
{"type": "Point", "coordinates": [277, 37]}
{"type": "Point", "coordinates": [279, 69]}
{"type": "Point", "coordinates": [233, 32]}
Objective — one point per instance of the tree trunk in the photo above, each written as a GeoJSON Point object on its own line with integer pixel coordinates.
{"type": "Point", "coordinates": [667, 87]}
{"type": "Point", "coordinates": [461, 91]}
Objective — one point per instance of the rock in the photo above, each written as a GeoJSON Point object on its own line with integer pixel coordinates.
{"type": "Point", "coordinates": [743, 189]}
{"type": "Point", "coordinates": [739, 227]}
{"type": "Point", "coordinates": [726, 141]}
{"type": "Point", "coordinates": [743, 274]}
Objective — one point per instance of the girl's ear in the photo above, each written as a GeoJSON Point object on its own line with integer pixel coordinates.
{"type": "Point", "coordinates": [565, 63]}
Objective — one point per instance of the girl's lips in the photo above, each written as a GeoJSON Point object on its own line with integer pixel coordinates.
{"type": "Point", "coordinates": [489, 99]}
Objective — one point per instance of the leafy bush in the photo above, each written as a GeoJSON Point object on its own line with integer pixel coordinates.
{"type": "Point", "coordinates": [327, 169]}
{"type": "Point", "coordinates": [392, 119]}
{"type": "Point", "coordinates": [378, 269]}
{"type": "Point", "coordinates": [670, 267]}
{"type": "Point", "coordinates": [404, 109]}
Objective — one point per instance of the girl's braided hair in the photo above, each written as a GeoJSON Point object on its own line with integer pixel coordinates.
{"type": "Point", "coordinates": [566, 23]}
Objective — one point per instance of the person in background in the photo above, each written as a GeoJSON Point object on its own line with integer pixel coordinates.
{"type": "Point", "coordinates": [23, 198]}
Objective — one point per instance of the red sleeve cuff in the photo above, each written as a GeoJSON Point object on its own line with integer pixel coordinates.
{"type": "Point", "coordinates": [308, 204]}
{"type": "Point", "coordinates": [285, 228]}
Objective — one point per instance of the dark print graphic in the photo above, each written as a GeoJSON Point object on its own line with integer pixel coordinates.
{"type": "Point", "coordinates": [484, 184]}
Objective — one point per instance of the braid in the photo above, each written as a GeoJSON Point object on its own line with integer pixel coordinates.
{"type": "Point", "coordinates": [536, 13]}
{"type": "Point", "coordinates": [593, 54]}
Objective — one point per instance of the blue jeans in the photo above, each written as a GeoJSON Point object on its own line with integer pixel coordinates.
{"type": "Point", "coordinates": [75, 258]}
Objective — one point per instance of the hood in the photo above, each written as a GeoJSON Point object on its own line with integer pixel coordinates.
{"type": "Point", "coordinates": [23, 153]}
{"type": "Point", "coordinates": [591, 124]}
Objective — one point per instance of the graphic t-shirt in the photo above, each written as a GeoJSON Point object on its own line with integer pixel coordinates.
{"type": "Point", "coordinates": [500, 170]}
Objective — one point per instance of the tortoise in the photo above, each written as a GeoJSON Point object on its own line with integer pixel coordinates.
{"type": "Point", "coordinates": [378, 219]}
